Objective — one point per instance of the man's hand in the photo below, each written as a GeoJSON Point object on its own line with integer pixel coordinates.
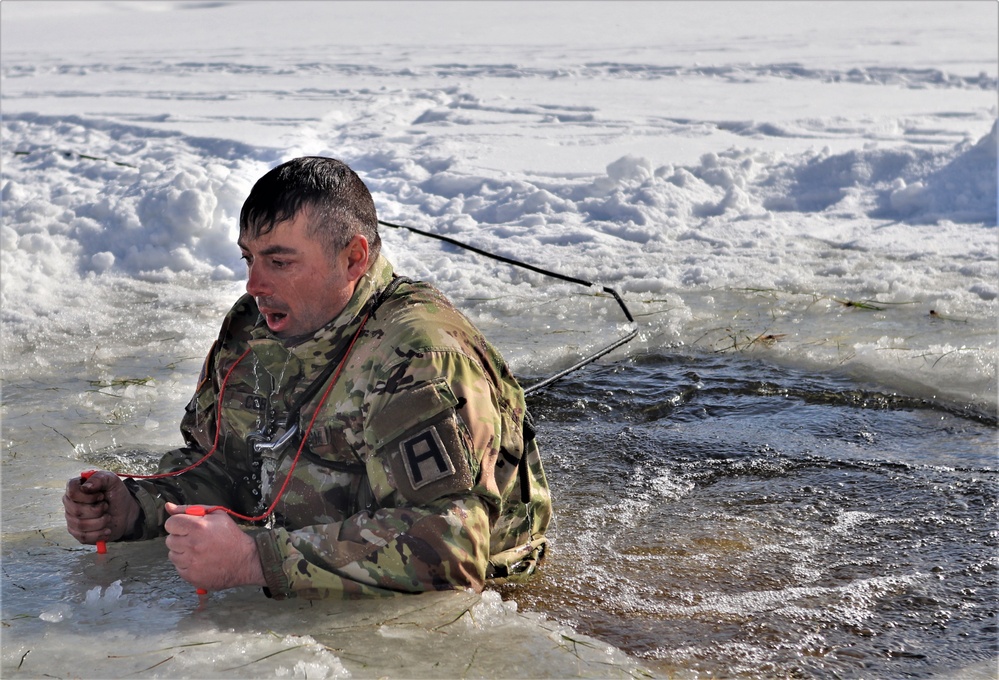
{"type": "Point", "coordinates": [99, 508]}
{"type": "Point", "coordinates": [211, 551]}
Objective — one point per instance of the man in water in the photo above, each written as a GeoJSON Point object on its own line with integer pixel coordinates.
{"type": "Point", "coordinates": [367, 431]}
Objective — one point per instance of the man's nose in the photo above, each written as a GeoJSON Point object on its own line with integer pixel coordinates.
{"type": "Point", "coordinates": [257, 284]}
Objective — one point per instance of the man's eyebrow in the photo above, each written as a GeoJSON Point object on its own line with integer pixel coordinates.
{"type": "Point", "coordinates": [272, 250]}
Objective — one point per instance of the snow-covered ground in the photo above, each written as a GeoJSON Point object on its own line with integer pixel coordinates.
{"type": "Point", "coordinates": [737, 171]}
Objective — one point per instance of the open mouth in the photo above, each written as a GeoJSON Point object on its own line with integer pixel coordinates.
{"type": "Point", "coordinates": [276, 321]}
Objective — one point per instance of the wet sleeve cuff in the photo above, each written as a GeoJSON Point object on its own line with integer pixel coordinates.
{"type": "Point", "coordinates": [272, 561]}
{"type": "Point", "coordinates": [148, 526]}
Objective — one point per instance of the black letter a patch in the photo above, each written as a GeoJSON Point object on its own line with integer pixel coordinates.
{"type": "Point", "coordinates": [425, 458]}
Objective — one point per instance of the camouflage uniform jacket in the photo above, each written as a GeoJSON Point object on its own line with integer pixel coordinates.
{"type": "Point", "coordinates": [413, 475]}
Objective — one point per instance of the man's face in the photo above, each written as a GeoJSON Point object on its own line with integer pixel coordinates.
{"type": "Point", "coordinates": [298, 287]}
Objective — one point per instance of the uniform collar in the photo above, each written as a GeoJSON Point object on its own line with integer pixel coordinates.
{"type": "Point", "coordinates": [305, 357]}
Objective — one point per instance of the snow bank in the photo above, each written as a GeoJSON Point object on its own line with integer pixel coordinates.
{"type": "Point", "coordinates": [91, 206]}
{"type": "Point", "coordinates": [81, 198]}
{"type": "Point", "coordinates": [728, 189]}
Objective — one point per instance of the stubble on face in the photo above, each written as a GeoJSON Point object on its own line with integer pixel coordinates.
{"type": "Point", "coordinates": [297, 285]}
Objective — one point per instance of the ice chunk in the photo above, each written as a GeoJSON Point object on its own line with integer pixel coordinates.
{"type": "Point", "coordinates": [113, 593]}
{"type": "Point", "coordinates": [93, 596]}
{"type": "Point", "coordinates": [57, 613]}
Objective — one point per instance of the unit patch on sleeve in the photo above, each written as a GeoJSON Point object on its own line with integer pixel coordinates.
{"type": "Point", "coordinates": [425, 458]}
{"type": "Point", "coordinates": [422, 444]}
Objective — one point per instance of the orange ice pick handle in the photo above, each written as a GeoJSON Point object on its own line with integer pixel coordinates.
{"type": "Point", "coordinates": [198, 511]}
{"type": "Point", "coordinates": [102, 546]}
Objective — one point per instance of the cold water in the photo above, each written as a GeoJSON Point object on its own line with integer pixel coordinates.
{"type": "Point", "coordinates": [738, 519]}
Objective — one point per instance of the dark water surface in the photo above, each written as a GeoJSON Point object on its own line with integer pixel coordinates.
{"type": "Point", "coordinates": [726, 518]}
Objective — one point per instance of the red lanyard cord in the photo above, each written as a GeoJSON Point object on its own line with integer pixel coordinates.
{"type": "Point", "coordinates": [305, 437]}
{"type": "Point", "coordinates": [218, 429]}
{"type": "Point", "coordinates": [202, 510]}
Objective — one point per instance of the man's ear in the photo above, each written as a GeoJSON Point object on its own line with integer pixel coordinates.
{"type": "Point", "coordinates": [357, 257]}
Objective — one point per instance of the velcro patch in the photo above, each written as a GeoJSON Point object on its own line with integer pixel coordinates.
{"type": "Point", "coordinates": [425, 458]}
{"type": "Point", "coordinates": [245, 401]}
{"type": "Point", "coordinates": [255, 403]}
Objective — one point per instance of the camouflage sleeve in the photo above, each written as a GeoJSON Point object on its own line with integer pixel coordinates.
{"type": "Point", "coordinates": [427, 432]}
{"type": "Point", "coordinates": [210, 483]}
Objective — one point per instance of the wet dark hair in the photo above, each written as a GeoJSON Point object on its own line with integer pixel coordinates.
{"type": "Point", "coordinates": [340, 204]}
